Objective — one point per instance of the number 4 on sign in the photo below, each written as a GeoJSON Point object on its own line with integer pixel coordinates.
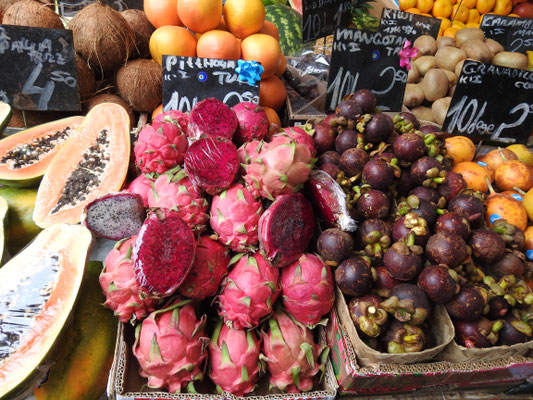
{"type": "Point", "coordinates": [45, 93]}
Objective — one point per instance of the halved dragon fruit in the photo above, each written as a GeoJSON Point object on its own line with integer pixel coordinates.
{"type": "Point", "coordinates": [115, 216]}
{"type": "Point", "coordinates": [212, 118]}
{"type": "Point", "coordinates": [286, 228]}
{"type": "Point", "coordinates": [212, 164]}
{"type": "Point", "coordinates": [163, 253]}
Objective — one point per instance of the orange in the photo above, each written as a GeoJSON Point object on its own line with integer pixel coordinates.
{"type": "Point", "coordinates": [469, 3]}
{"type": "Point", "coordinates": [162, 12]}
{"type": "Point", "coordinates": [244, 17]}
{"type": "Point", "coordinates": [514, 15]}
{"type": "Point", "coordinates": [218, 44]}
{"type": "Point", "coordinates": [459, 13]}
{"type": "Point", "coordinates": [272, 93]}
{"type": "Point", "coordinates": [200, 15]}
{"type": "Point", "coordinates": [473, 16]}
{"type": "Point", "coordinates": [413, 10]}
{"type": "Point", "coordinates": [445, 24]}
{"type": "Point", "coordinates": [451, 31]}
{"type": "Point", "coordinates": [502, 7]}
{"type": "Point", "coordinates": [426, 15]}
{"type": "Point", "coordinates": [458, 24]}
{"type": "Point", "coordinates": [172, 40]}
{"type": "Point", "coordinates": [442, 9]}
{"type": "Point", "coordinates": [407, 4]}
{"type": "Point", "coordinates": [157, 111]}
{"type": "Point", "coordinates": [472, 25]}
{"type": "Point", "coordinates": [222, 25]}
{"type": "Point", "coordinates": [270, 29]}
{"type": "Point", "coordinates": [424, 5]}
{"type": "Point", "coordinates": [485, 6]}
{"type": "Point", "coordinates": [264, 49]}
{"type": "Point", "coordinates": [282, 66]}
{"type": "Point", "coordinates": [274, 121]}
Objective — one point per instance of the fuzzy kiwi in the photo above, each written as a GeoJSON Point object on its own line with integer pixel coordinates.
{"type": "Point", "coordinates": [445, 41]}
{"type": "Point", "coordinates": [439, 109]}
{"type": "Point", "coordinates": [494, 46]}
{"type": "Point", "coordinates": [108, 98]}
{"type": "Point", "coordinates": [413, 96]}
{"type": "Point", "coordinates": [465, 34]}
{"type": "Point", "coordinates": [142, 31]}
{"type": "Point", "coordinates": [452, 78]}
{"type": "Point", "coordinates": [426, 45]}
{"type": "Point", "coordinates": [477, 50]}
{"type": "Point", "coordinates": [435, 84]}
{"type": "Point", "coordinates": [447, 57]}
{"type": "Point", "coordinates": [424, 64]}
{"type": "Point", "coordinates": [139, 84]}
{"type": "Point", "coordinates": [510, 59]}
{"type": "Point", "coordinates": [32, 13]}
{"type": "Point", "coordinates": [423, 113]}
{"type": "Point", "coordinates": [413, 76]}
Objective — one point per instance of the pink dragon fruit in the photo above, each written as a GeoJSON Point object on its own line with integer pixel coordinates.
{"type": "Point", "coordinates": [141, 185]}
{"type": "Point", "coordinates": [294, 360]}
{"type": "Point", "coordinates": [307, 289]}
{"type": "Point", "coordinates": [281, 167]}
{"type": "Point", "coordinates": [123, 294]}
{"type": "Point", "coordinates": [212, 118]}
{"type": "Point", "coordinates": [176, 117]}
{"type": "Point", "coordinates": [234, 360]}
{"type": "Point", "coordinates": [248, 292]}
{"type": "Point", "coordinates": [247, 152]}
{"type": "Point", "coordinates": [235, 215]}
{"type": "Point", "coordinates": [253, 122]}
{"type": "Point", "coordinates": [301, 137]}
{"type": "Point", "coordinates": [160, 146]}
{"type": "Point", "coordinates": [174, 190]}
{"type": "Point", "coordinates": [209, 268]}
{"type": "Point", "coordinates": [170, 346]}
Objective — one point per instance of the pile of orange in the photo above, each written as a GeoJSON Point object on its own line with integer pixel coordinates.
{"type": "Point", "coordinates": [205, 28]}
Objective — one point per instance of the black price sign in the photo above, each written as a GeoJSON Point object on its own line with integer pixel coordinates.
{"type": "Point", "coordinates": [68, 8]}
{"type": "Point", "coordinates": [188, 80]}
{"type": "Point", "coordinates": [367, 60]}
{"type": "Point", "coordinates": [38, 69]}
{"type": "Point", "coordinates": [514, 34]}
{"type": "Point", "coordinates": [322, 17]}
{"type": "Point", "coordinates": [492, 103]}
{"type": "Point", "coordinates": [408, 25]}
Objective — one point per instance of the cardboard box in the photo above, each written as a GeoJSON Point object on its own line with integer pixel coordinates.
{"type": "Point", "coordinates": [126, 384]}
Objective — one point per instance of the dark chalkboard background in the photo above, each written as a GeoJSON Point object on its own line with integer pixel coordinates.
{"type": "Point", "coordinates": [492, 103]}
{"type": "Point", "coordinates": [188, 80]}
{"type": "Point", "coordinates": [408, 25]}
{"type": "Point", "coordinates": [69, 8]}
{"type": "Point", "coordinates": [322, 17]}
{"type": "Point", "coordinates": [514, 34]}
{"type": "Point", "coordinates": [38, 69]}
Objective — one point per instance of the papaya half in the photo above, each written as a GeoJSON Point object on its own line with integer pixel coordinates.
{"type": "Point", "coordinates": [5, 115]}
{"type": "Point", "coordinates": [93, 164]}
{"type": "Point", "coordinates": [39, 289]}
{"type": "Point", "coordinates": [25, 156]}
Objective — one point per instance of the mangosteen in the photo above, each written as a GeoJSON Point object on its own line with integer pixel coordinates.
{"type": "Point", "coordinates": [516, 328]}
{"type": "Point", "coordinates": [446, 248]}
{"type": "Point", "coordinates": [429, 194]}
{"type": "Point", "coordinates": [383, 281]}
{"type": "Point", "coordinates": [378, 174]}
{"type": "Point", "coordinates": [374, 236]}
{"type": "Point", "coordinates": [366, 99]}
{"type": "Point", "coordinates": [332, 170]}
{"type": "Point", "coordinates": [408, 303]}
{"type": "Point", "coordinates": [513, 236]}
{"type": "Point", "coordinates": [480, 333]}
{"type": "Point", "coordinates": [387, 156]}
{"type": "Point", "coordinates": [367, 314]}
{"type": "Point", "coordinates": [439, 283]}
{"type": "Point", "coordinates": [405, 183]}
{"type": "Point", "coordinates": [354, 277]}
{"type": "Point", "coordinates": [401, 337]}
{"type": "Point", "coordinates": [409, 147]}
{"type": "Point", "coordinates": [373, 204]}
{"type": "Point", "coordinates": [453, 184]}
{"type": "Point", "coordinates": [353, 160]}
{"type": "Point", "coordinates": [487, 246]}
{"type": "Point", "coordinates": [403, 261]}
{"type": "Point", "coordinates": [406, 121]}
{"type": "Point", "coordinates": [349, 109]}
{"type": "Point", "coordinates": [378, 129]}
{"type": "Point", "coordinates": [425, 129]}
{"type": "Point", "coordinates": [454, 223]}
{"type": "Point", "coordinates": [509, 264]}
{"type": "Point", "coordinates": [329, 157]}
{"type": "Point", "coordinates": [409, 224]}
{"type": "Point", "coordinates": [427, 171]}
{"type": "Point", "coordinates": [517, 290]}
{"type": "Point", "coordinates": [467, 305]}
{"type": "Point", "coordinates": [335, 245]}
{"type": "Point", "coordinates": [324, 137]}
{"type": "Point", "coordinates": [424, 209]}
{"type": "Point", "coordinates": [468, 206]}
{"type": "Point", "coordinates": [346, 140]}
{"type": "Point", "coordinates": [498, 307]}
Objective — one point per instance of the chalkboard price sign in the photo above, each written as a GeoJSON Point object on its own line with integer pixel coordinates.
{"type": "Point", "coordinates": [322, 17]}
{"type": "Point", "coordinates": [492, 103]}
{"type": "Point", "coordinates": [68, 8]}
{"type": "Point", "coordinates": [366, 60]}
{"type": "Point", "coordinates": [408, 25]}
{"type": "Point", "coordinates": [514, 34]}
{"type": "Point", "coordinates": [188, 80]}
{"type": "Point", "coordinates": [38, 69]}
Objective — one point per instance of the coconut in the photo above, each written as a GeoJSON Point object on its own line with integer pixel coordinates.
{"type": "Point", "coordinates": [86, 79]}
{"type": "Point", "coordinates": [102, 36]}
{"type": "Point", "coordinates": [108, 98]}
{"type": "Point", "coordinates": [32, 13]}
{"type": "Point", "coordinates": [4, 4]}
{"type": "Point", "coordinates": [142, 30]}
{"type": "Point", "coordinates": [139, 83]}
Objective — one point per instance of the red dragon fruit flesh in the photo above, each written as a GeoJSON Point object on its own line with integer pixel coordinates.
{"type": "Point", "coordinates": [212, 118]}
{"type": "Point", "coordinates": [163, 253]}
{"type": "Point", "coordinates": [212, 164]}
{"type": "Point", "coordinates": [286, 228]}
{"type": "Point", "coordinates": [115, 216]}
{"type": "Point", "coordinates": [141, 185]}
{"type": "Point", "coordinates": [253, 122]}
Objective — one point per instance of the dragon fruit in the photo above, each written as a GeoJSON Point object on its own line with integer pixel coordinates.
{"type": "Point", "coordinates": [123, 294]}
{"type": "Point", "coordinates": [248, 292]}
{"type": "Point", "coordinates": [281, 167]}
{"type": "Point", "coordinates": [247, 152]}
{"type": "Point", "coordinates": [235, 215]}
{"type": "Point", "coordinates": [163, 252]}
{"type": "Point", "coordinates": [212, 118]}
{"type": "Point", "coordinates": [209, 268]}
{"type": "Point", "coordinates": [171, 346]}
{"type": "Point", "coordinates": [160, 147]}
{"type": "Point", "coordinates": [176, 117]}
{"type": "Point", "coordinates": [141, 185]}
{"type": "Point", "coordinates": [301, 137]}
{"type": "Point", "coordinates": [234, 360]}
{"type": "Point", "coordinates": [174, 190]}
{"type": "Point", "coordinates": [293, 358]}
{"type": "Point", "coordinates": [253, 122]}
{"type": "Point", "coordinates": [307, 289]}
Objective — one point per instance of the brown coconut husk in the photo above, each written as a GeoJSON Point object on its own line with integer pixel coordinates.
{"type": "Point", "coordinates": [32, 13]}
{"type": "Point", "coordinates": [86, 79]}
{"type": "Point", "coordinates": [102, 36]}
{"type": "Point", "coordinates": [139, 83]}
{"type": "Point", "coordinates": [142, 30]}
{"type": "Point", "coordinates": [34, 118]}
{"type": "Point", "coordinates": [108, 98]}
{"type": "Point", "coordinates": [4, 4]}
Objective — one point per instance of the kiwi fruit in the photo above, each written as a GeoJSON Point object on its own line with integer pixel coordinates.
{"type": "Point", "coordinates": [447, 57]}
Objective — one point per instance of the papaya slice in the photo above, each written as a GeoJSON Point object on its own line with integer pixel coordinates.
{"type": "Point", "coordinates": [5, 115]}
{"type": "Point", "coordinates": [25, 156]}
{"type": "Point", "coordinates": [38, 292]}
{"type": "Point", "coordinates": [93, 164]}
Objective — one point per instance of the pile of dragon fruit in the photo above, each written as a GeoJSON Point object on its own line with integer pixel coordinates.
{"type": "Point", "coordinates": [227, 226]}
